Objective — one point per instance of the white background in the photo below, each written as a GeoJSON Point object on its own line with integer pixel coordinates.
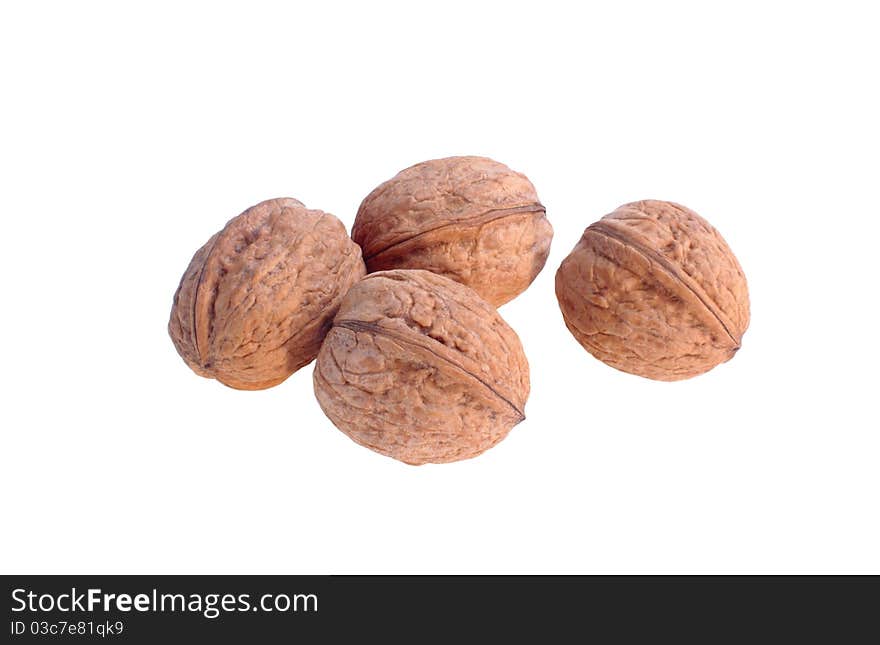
{"type": "Point", "coordinates": [129, 135]}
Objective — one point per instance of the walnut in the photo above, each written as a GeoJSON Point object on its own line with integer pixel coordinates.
{"type": "Point", "coordinates": [258, 298]}
{"type": "Point", "coordinates": [653, 289]}
{"type": "Point", "coordinates": [421, 369]}
{"type": "Point", "coordinates": [469, 218]}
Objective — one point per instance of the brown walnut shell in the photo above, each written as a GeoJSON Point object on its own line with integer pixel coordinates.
{"type": "Point", "coordinates": [421, 369]}
{"type": "Point", "coordinates": [469, 218]}
{"type": "Point", "coordinates": [256, 300]}
{"type": "Point", "coordinates": [653, 289]}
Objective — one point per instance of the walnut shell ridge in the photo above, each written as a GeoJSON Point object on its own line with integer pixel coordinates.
{"type": "Point", "coordinates": [471, 219]}
{"type": "Point", "coordinates": [257, 299]}
{"type": "Point", "coordinates": [654, 290]}
{"type": "Point", "coordinates": [420, 368]}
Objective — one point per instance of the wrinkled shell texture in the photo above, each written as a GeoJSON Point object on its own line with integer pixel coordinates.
{"type": "Point", "coordinates": [653, 289]}
{"type": "Point", "coordinates": [258, 298]}
{"type": "Point", "coordinates": [468, 218]}
{"type": "Point", "coordinates": [421, 369]}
